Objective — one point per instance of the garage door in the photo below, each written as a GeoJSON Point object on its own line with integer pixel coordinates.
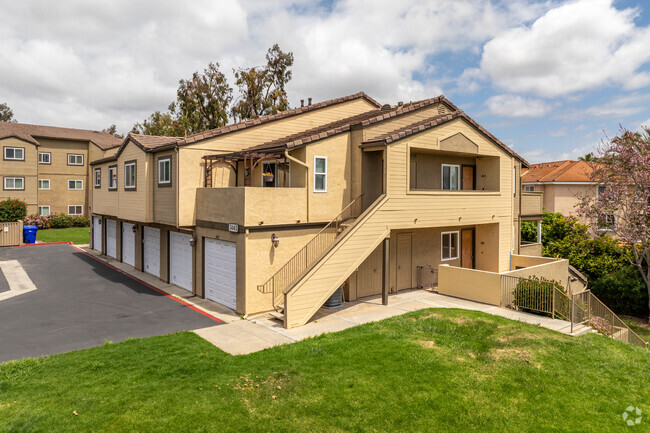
{"type": "Point", "coordinates": [152, 251]}
{"type": "Point", "coordinates": [180, 260]}
{"type": "Point", "coordinates": [111, 236]}
{"type": "Point", "coordinates": [97, 233]}
{"type": "Point", "coordinates": [128, 244]}
{"type": "Point", "coordinates": [221, 272]}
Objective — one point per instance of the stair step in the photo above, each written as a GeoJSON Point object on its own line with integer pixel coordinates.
{"type": "Point", "coordinates": [277, 316]}
{"type": "Point", "coordinates": [279, 308]}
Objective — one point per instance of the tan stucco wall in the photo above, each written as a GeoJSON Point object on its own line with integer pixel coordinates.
{"type": "Point", "coordinates": [164, 196]}
{"type": "Point", "coordinates": [549, 268]}
{"type": "Point", "coordinates": [470, 284]}
{"type": "Point", "coordinates": [135, 205]}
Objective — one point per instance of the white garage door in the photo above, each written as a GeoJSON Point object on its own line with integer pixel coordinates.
{"type": "Point", "coordinates": [152, 251]}
{"type": "Point", "coordinates": [221, 272]}
{"type": "Point", "coordinates": [180, 260]}
{"type": "Point", "coordinates": [97, 233]}
{"type": "Point", "coordinates": [128, 244]}
{"type": "Point", "coordinates": [111, 236]}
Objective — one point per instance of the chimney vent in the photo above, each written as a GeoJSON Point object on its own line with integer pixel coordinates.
{"type": "Point", "coordinates": [308, 101]}
{"type": "Point", "coordinates": [302, 103]}
{"type": "Point", "coordinates": [400, 103]}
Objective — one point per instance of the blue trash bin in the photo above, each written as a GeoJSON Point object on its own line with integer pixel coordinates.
{"type": "Point", "coordinates": [29, 234]}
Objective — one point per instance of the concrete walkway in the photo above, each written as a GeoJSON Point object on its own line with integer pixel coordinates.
{"type": "Point", "coordinates": [241, 336]}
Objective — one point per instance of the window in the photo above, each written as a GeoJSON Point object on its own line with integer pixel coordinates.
{"type": "Point", "coordinates": [112, 177]}
{"type": "Point", "coordinates": [44, 184]}
{"type": "Point", "coordinates": [15, 153]}
{"type": "Point", "coordinates": [75, 159]}
{"type": "Point", "coordinates": [43, 210]}
{"type": "Point", "coordinates": [75, 210]}
{"type": "Point", "coordinates": [514, 181]}
{"type": "Point", "coordinates": [14, 183]}
{"type": "Point", "coordinates": [75, 184]}
{"type": "Point", "coordinates": [269, 174]}
{"type": "Point", "coordinates": [320, 174]}
{"type": "Point", "coordinates": [44, 158]}
{"type": "Point", "coordinates": [164, 171]}
{"type": "Point", "coordinates": [450, 177]}
{"type": "Point", "coordinates": [529, 188]}
{"type": "Point", "coordinates": [606, 222]}
{"type": "Point", "coordinates": [129, 175]}
{"type": "Point", "coordinates": [600, 190]}
{"type": "Point", "coordinates": [98, 177]}
{"type": "Point", "coordinates": [449, 246]}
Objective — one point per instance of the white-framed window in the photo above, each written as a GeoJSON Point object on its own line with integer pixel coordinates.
{"type": "Point", "coordinates": [320, 174]}
{"type": "Point", "coordinates": [14, 183]}
{"type": "Point", "coordinates": [606, 222]}
{"type": "Point", "coordinates": [75, 184]}
{"type": "Point", "coordinates": [514, 180]}
{"type": "Point", "coordinates": [75, 159]}
{"type": "Point", "coordinates": [449, 245]}
{"type": "Point", "coordinates": [44, 184]}
{"type": "Point", "coordinates": [269, 169]}
{"type": "Point", "coordinates": [129, 175]}
{"type": "Point", "coordinates": [44, 158]}
{"type": "Point", "coordinates": [14, 153]}
{"type": "Point", "coordinates": [529, 188]}
{"type": "Point", "coordinates": [112, 177]}
{"type": "Point", "coordinates": [75, 209]}
{"type": "Point", "coordinates": [164, 171]}
{"type": "Point", "coordinates": [450, 177]}
{"type": "Point", "coordinates": [98, 177]}
{"type": "Point", "coordinates": [43, 210]}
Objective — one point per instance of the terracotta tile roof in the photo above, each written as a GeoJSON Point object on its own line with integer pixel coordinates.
{"type": "Point", "coordinates": [31, 134]}
{"type": "Point", "coordinates": [265, 119]}
{"type": "Point", "coordinates": [370, 117]}
{"type": "Point", "coordinates": [560, 171]}
{"type": "Point", "coordinates": [432, 122]}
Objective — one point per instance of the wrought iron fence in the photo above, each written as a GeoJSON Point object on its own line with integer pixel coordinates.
{"type": "Point", "coordinates": [311, 252]}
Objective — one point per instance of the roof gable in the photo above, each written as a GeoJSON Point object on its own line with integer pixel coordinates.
{"type": "Point", "coordinates": [31, 134]}
{"type": "Point", "coordinates": [560, 171]}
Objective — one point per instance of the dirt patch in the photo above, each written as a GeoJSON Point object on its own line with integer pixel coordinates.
{"type": "Point", "coordinates": [510, 354]}
{"type": "Point", "coordinates": [428, 344]}
{"type": "Point", "coordinates": [434, 315]}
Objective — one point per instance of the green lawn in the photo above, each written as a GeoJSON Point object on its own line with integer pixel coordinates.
{"type": "Point", "coordinates": [76, 235]}
{"type": "Point", "coordinates": [431, 370]}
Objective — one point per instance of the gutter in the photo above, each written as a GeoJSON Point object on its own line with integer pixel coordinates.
{"type": "Point", "coordinates": [299, 162]}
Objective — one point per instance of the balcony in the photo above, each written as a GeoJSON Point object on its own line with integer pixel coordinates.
{"type": "Point", "coordinates": [532, 203]}
{"type": "Point", "coordinates": [251, 206]}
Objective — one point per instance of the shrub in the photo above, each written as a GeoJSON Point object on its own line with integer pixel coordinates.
{"type": "Point", "coordinates": [12, 210]}
{"type": "Point", "coordinates": [535, 292]}
{"type": "Point", "coordinates": [60, 221]}
{"type": "Point", "coordinates": [80, 221]}
{"type": "Point", "coordinates": [623, 291]}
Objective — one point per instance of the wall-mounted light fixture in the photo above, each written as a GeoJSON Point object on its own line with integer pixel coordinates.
{"type": "Point", "coordinates": [134, 228]}
{"type": "Point", "coordinates": [100, 221]}
{"type": "Point", "coordinates": [275, 240]}
{"type": "Point", "coordinates": [193, 241]}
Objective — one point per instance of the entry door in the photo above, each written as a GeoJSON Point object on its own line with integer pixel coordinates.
{"type": "Point", "coordinates": [404, 268]}
{"type": "Point", "coordinates": [468, 177]}
{"type": "Point", "coordinates": [369, 274]}
{"type": "Point", "coordinates": [220, 265]}
{"type": "Point", "coordinates": [97, 233]}
{"type": "Point", "coordinates": [152, 251]}
{"type": "Point", "coordinates": [111, 238]}
{"type": "Point", "coordinates": [467, 248]}
{"type": "Point", "coordinates": [128, 244]}
{"type": "Point", "coordinates": [180, 260]}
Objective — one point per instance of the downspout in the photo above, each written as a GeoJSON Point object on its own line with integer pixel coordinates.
{"type": "Point", "coordinates": [299, 162]}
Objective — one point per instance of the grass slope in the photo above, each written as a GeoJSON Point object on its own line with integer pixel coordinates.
{"type": "Point", "coordinates": [76, 235]}
{"type": "Point", "coordinates": [431, 370]}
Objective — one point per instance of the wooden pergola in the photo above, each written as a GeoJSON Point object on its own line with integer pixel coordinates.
{"type": "Point", "coordinates": [250, 159]}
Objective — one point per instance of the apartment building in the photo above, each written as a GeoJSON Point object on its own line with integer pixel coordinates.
{"type": "Point", "coordinates": [278, 212]}
{"type": "Point", "coordinates": [47, 167]}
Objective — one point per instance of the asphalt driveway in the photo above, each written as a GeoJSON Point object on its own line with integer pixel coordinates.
{"type": "Point", "coordinates": [81, 302]}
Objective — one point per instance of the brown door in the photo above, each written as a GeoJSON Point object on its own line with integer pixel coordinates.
{"type": "Point", "coordinates": [467, 248]}
{"type": "Point", "coordinates": [404, 269]}
{"type": "Point", "coordinates": [369, 275]}
{"type": "Point", "coordinates": [468, 177]}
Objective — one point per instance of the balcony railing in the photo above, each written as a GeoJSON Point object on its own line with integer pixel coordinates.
{"type": "Point", "coordinates": [532, 203]}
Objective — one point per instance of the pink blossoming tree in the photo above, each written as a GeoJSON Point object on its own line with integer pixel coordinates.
{"type": "Point", "coordinates": [622, 205]}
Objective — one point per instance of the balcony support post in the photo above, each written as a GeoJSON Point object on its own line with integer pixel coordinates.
{"type": "Point", "coordinates": [539, 231]}
{"type": "Point", "coordinates": [385, 280]}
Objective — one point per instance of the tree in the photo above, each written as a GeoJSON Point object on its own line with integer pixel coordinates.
{"type": "Point", "coordinates": [6, 114]}
{"type": "Point", "coordinates": [262, 89]}
{"type": "Point", "coordinates": [588, 157]}
{"type": "Point", "coordinates": [623, 201]}
{"type": "Point", "coordinates": [113, 131]}
{"type": "Point", "coordinates": [159, 124]}
{"type": "Point", "coordinates": [202, 102]}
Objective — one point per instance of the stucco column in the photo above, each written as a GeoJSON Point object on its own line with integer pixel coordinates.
{"type": "Point", "coordinates": [539, 232]}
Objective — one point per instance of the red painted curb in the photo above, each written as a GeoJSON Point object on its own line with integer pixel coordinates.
{"type": "Point", "coordinates": [180, 301]}
{"type": "Point", "coordinates": [43, 243]}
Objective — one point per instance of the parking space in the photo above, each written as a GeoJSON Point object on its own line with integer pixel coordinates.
{"type": "Point", "coordinates": [81, 302]}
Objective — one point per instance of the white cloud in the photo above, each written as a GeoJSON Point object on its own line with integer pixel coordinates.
{"type": "Point", "coordinates": [616, 108]}
{"type": "Point", "coordinates": [516, 106]}
{"type": "Point", "coordinates": [577, 46]}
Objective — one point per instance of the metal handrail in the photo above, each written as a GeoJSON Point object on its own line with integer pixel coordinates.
{"type": "Point", "coordinates": [304, 258]}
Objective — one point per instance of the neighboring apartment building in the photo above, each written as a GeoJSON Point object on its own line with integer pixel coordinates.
{"type": "Point", "coordinates": [280, 211]}
{"type": "Point", "coordinates": [47, 167]}
{"type": "Point", "coordinates": [563, 184]}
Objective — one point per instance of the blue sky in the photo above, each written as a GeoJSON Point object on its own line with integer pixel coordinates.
{"type": "Point", "coordinates": [550, 78]}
